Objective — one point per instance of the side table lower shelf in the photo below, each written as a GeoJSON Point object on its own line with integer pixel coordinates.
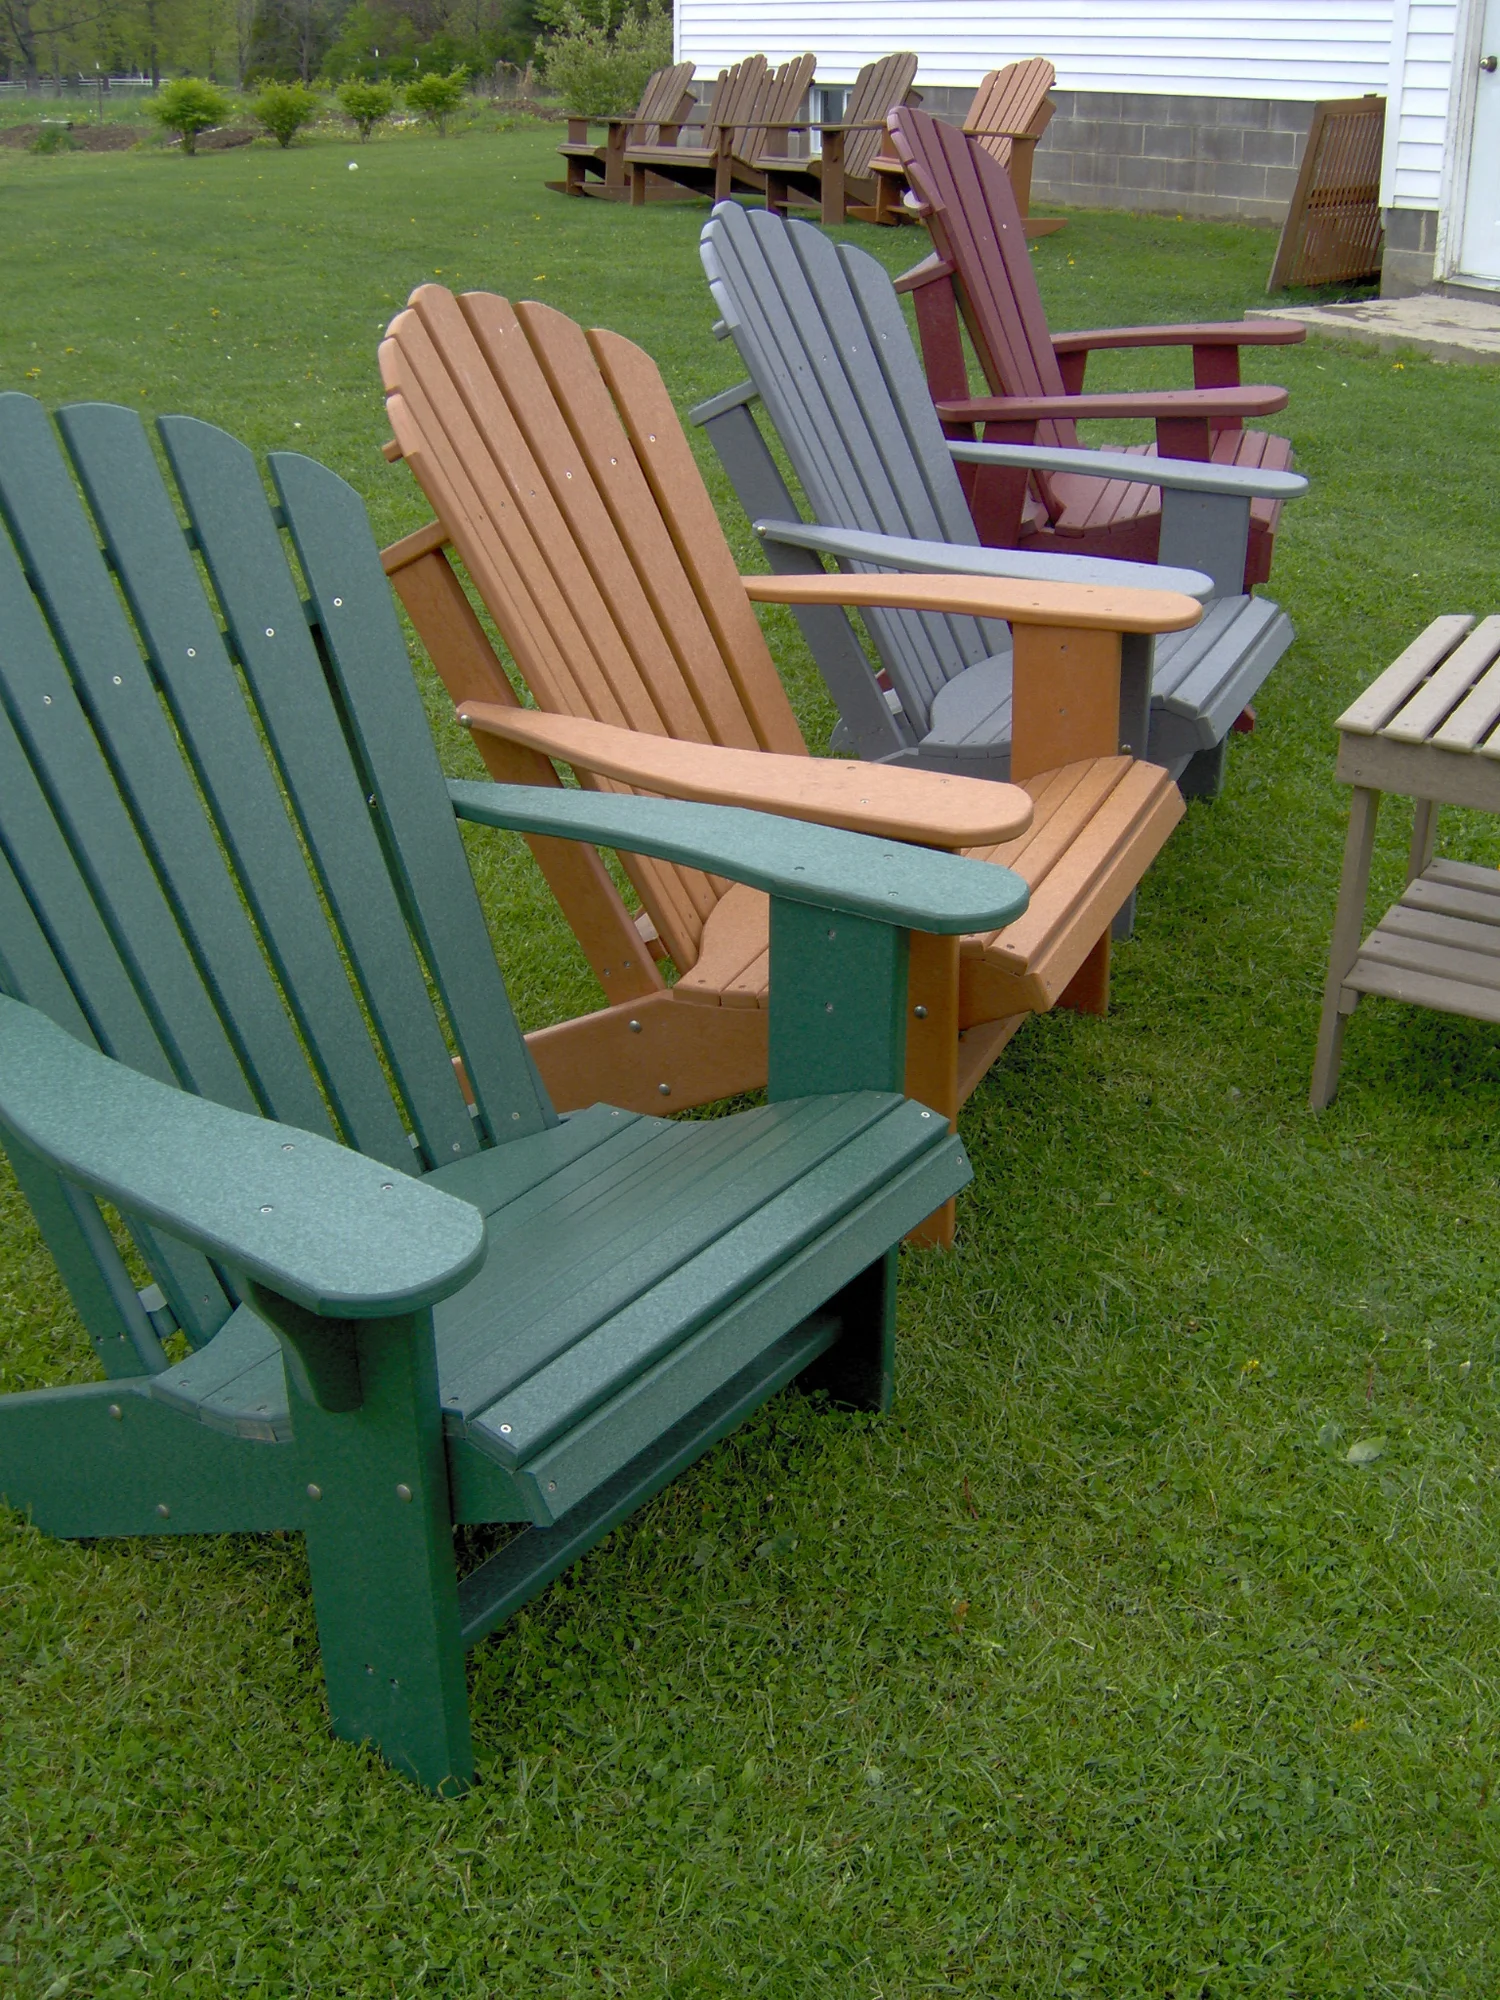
{"type": "Point", "coordinates": [1438, 946]}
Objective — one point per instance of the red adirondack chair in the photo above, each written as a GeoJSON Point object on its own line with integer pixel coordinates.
{"type": "Point", "coordinates": [983, 271]}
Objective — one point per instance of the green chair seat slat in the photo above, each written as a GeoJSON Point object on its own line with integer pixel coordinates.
{"type": "Point", "coordinates": [501, 1175]}
{"type": "Point", "coordinates": [574, 1266]}
{"type": "Point", "coordinates": [237, 1383]}
{"type": "Point", "coordinates": [713, 1305]}
{"type": "Point", "coordinates": [352, 601]}
{"type": "Point", "coordinates": [903, 1181]}
{"type": "Point", "coordinates": [240, 544]}
{"type": "Point", "coordinates": [615, 1183]}
{"type": "Point", "coordinates": [82, 796]}
{"type": "Point", "coordinates": [146, 544]}
{"type": "Point", "coordinates": [757, 1227]}
{"type": "Point", "coordinates": [114, 687]}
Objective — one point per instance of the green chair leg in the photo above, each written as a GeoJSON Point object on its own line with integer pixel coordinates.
{"type": "Point", "coordinates": [380, 1549]}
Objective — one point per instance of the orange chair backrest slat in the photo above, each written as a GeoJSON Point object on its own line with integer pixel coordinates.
{"type": "Point", "coordinates": [558, 466]}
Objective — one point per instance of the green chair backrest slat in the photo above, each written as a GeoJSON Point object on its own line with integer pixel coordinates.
{"type": "Point", "coordinates": [81, 794]}
{"type": "Point", "coordinates": [76, 976]}
{"type": "Point", "coordinates": [391, 738]}
{"type": "Point", "coordinates": [114, 687]}
{"type": "Point", "coordinates": [169, 862]}
{"type": "Point", "coordinates": [237, 536]}
{"type": "Point", "coordinates": [187, 653]}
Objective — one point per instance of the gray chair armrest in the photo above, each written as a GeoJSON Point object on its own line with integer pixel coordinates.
{"type": "Point", "coordinates": [957, 559]}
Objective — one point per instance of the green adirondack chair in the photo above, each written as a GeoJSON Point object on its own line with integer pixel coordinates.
{"type": "Point", "coordinates": [245, 980]}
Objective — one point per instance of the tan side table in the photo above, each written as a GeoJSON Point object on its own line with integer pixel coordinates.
{"type": "Point", "coordinates": [1428, 728]}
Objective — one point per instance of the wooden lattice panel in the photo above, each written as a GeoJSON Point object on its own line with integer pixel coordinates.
{"type": "Point", "coordinates": [1332, 231]}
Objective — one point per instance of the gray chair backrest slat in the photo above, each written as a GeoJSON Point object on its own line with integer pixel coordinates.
{"type": "Point", "coordinates": [221, 488]}
{"type": "Point", "coordinates": [187, 653]}
{"type": "Point", "coordinates": [918, 469]}
{"type": "Point", "coordinates": [784, 362]}
{"type": "Point", "coordinates": [822, 333]}
{"type": "Point", "coordinates": [383, 711]}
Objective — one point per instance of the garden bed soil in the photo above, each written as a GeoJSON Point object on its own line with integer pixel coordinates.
{"type": "Point", "coordinates": [84, 138]}
{"type": "Point", "coordinates": [78, 138]}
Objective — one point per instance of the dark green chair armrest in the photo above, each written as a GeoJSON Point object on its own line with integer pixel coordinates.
{"type": "Point", "coordinates": [911, 888]}
{"type": "Point", "coordinates": [335, 1232]}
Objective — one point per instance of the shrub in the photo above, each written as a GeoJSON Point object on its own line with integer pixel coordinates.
{"type": "Point", "coordinates": [54, 139]}
{"type": "Point", "coordinates": [284, 108]}
{"type": "Point", "coordinates": [188, 106]}
{"type": "Point", "coordinates": [599, 66]}
{"type": "Point", "coordinates": [437, 97]}
{"type": "Point", "coordinates": [367, 104]}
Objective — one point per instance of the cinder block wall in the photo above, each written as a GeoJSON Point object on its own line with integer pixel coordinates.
{"type": "Point", "coordinates": [1235, 157]}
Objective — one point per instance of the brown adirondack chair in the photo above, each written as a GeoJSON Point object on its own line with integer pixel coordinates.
{"type": "Point", "coordinates": [729, 129]}
{"type": "Point", "coordinates": [981, 271]}
{"type": "Point", "coordinates": [1009, 112]}
{"type": "Point", "coordinates": [840, 182]}
{"type": "Point", "coordinates": [780, 103]}
{"type": "Point", "coordinates": [563, 481]}
{"type": "Point", "coordinates": [599, 169]}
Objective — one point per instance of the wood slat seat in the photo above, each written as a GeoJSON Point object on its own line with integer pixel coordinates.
{"type": "Point", "coordinates": [821, 332]}
{"type": "Point", "coordinates": [1428, 727]}
{"type": "Point", "coordinates": [562, 478]}
{"type": "Point", "coordinates": [249, 1001]}
{"type": "Point", "coordinates": [982, 277]}
{"type": "Point", "coordinates": [598, 168]}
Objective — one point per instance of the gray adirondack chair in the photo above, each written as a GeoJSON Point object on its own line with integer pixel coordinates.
{"type": "Point", "coordinates": [820, 329]}
{"type": "Point", "coordinates": [231, 884]}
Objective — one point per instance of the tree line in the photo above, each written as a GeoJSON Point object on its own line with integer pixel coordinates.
{"type": "Point", "coordinates": [251, 42]}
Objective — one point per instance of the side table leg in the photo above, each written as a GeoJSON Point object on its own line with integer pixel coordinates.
{"type": "Point", "coordinates": [1424, 821]}
{"type": "Point", "coordinates": [1348, 923]}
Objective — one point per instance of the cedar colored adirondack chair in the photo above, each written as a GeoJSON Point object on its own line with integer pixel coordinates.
{"type": "Point", "coordinates": [820, 329]}
{"type": "Point", "coordinates": [728, 127]}
{"type": "Point", "coordinates": [1007, 116]}
{"type": "Point", "coordinates": [1035, 379]}
{"type": "Point", "coordinates": [840, 181]}
{"type": "Point", "coordinates": [241, 962]}
{"type": "Point", "coordinates": [600, 169]}
{"type": "Point", "coordinates": [563, 481]}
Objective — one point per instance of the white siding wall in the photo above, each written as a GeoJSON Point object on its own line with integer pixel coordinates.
{"type": "Point", "coordinates": [1303, 49]}
{"type": "Point", "coordinates": [1425, 35]}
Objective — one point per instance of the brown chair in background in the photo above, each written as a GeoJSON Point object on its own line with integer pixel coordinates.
{"type": "Point", "coordinates": [665, 104]}
{"type": "Point", "coordinates": [840, 181]}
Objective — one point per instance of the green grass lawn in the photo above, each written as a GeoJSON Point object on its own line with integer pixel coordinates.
{"type": "Point", "coordinates": [1097, 1668]}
